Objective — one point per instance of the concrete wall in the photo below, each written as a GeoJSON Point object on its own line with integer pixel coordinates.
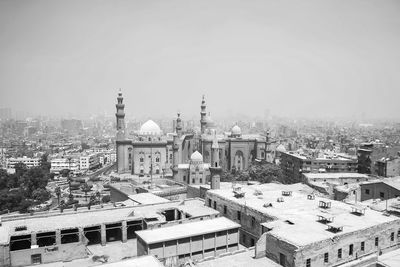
{"type": "Point", "coordinates": [375, 190]}
{"type": "Point", "coordinates": [250, 219]}
{"type": "Point", "coordinates": [5, 255]}
{"type": "Point", "coordinates": [316, 251]}
{"type": "Point", "coordinates": [64, 252]}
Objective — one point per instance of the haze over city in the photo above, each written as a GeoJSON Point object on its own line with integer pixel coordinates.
{"type": "Point", "coordinates": [302, 58]}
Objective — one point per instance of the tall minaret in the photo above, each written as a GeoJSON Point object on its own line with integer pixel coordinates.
{"type": "Point", "coordinates": [175, 147]}
{"type": "Point", "coordinates": [178, 128]}
{"type": "Point", "coordinates": [120, 115]}
{"type": "Point", "coordinates": [215, 168]}
{"type": "Point", "coordinates": [203, 114]}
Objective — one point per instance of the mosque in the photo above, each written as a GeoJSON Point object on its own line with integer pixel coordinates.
{"type": "Point", "coordinates": [191, 156]}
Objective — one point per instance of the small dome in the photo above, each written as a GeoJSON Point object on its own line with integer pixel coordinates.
{"type": "Point", "coordinates": [236, 130]}
{"type": "Point", "coordinates": [281, 148]}
{"type": "Point", "coordinates": [150, 128]}
{"type": "Point", "coordinates": [196, 156]}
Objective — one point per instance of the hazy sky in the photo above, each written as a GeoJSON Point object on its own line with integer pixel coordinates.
{"type": "Point", "coordinates": [295, 58]}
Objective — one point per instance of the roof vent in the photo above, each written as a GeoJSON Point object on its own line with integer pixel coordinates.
{"type": "Point", "coordinates": [238, 193]}
{"type": "Point", "coordinates": [324, 205]}
{"type": "Point", "coordinates": [359, 211]}
{"type": "Point", "coordinates": [267, 205]}
{"type": "Point", "coordinates": [311, 197]}
{"type": "Point", "coordinates": [280, 199]}
{"type": "Point", "coordinates": [289, 222]}
{"type": "Point", "coordinates": [287, 193]}
{"type": "Point", "coordinates": [324, 220]}
{"type": "Point", "coordinates": [334, 228]}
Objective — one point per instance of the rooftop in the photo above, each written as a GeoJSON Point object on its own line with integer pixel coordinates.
{"type": "Point", "coordinates": [239, 259]}
{"type": "Point", "coordinates": [332, 175]}
{"type": "Point", "coordinates": [297, 215]}
{"type": "Point", "coordinates": [50, 221]}
{"type": "Point", "coordinates": [186, 230]}
{"type": "Point", "coordinates": [147, 198]}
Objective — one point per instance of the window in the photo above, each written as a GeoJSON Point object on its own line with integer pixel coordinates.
{"type": "Point", "coordinates": [215, 205]}
{"type": "Point", "coordinates": [326, 257]}
{"type": "Point", "coordinates": [362, 246]}
{"type": "Point", "coordinates": [376, 241]}
{"type": "Point", "coordinates": [308, 263]}
{"type": "Point", "coordinates": [201, 180]}
{"type": "Point", "coordinates": [209, 202]}
{"type": "Point", "coordinates": [157, 159]}
{"type": "Point", "coordinates": [193, 181]}
{"type": "Point", "coordinates": [252, 242]}
{"type": "Point", "coordinates": [351, 249]}
{"type": "Point", "coordinates": [184, 178]}
{"type": "Point", "coordinates": [339, 253]}
{"type": "Point", "coordinates": [36, 258]}
{"type": "Point", "coordinates": [367, 191]}
{"type": "Point", "coordinates": [253, 221]}
{"type": "Point", "coordinates": [225, 210]}
{"type": "Point", "coordinates": [141, 160]}
{"type": "Point", "coordinates": [382, 195]}
{"type": "Point", "coordinates": [244, 238]}
{"type": "Point", "coordinates": [238, 216]}
{"type": "Point", "coordinates": [392, 236]}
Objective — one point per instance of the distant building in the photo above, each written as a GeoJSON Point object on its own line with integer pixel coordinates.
{"type": "Point", "coordinates": [29, 162]}
{"type": "Point", "coordinates": [5, 113]}
{"type": "Point", "coordinates": [89, 162]}
{"type": "Point", "coordinates": [380, 189]}
{"type": "Point", "coordinates": [295, 163]}
{"type": "Point", "coordinates": [72, 125]}
{"type": "Point", "coordinates": [59, 164]}
{"type": "Point", "coordinates": [370, 153]}
{"type": "Point", "coordinates": [388, 167]}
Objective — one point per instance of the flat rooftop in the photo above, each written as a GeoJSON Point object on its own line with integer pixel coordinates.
{"type": "Point", "coordinates": [335, 175]}
{"type": "Point", "coordinates": [390, 259]}
{"type": "Point", "coordinates": [296, 217]}
{"type": "Point", "coordinates": [148, 261]}
{"type": "Point", "coordinates": [186, 230]}
{"type": "Point", "coordinates": [147, 198]}
{"type": "Point", "coordinates": [51, 221]}
{"type": "Point", "coordinates": [239, 259]}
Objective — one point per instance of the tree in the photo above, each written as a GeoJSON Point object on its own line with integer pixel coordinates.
{"type": "Point", "coordinates": [64, 172]}
{"type": "Point", "coordinates": [85, 188]}
{"type": "Point", "coordinates": [58, 194]}
{"type": "Point", "coordinates": [40, 194]}
{"type": "Point", "coordinates": [265, 172]}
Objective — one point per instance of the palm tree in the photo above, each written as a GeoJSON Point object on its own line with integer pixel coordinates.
{"type": "Point", "coordinates": [58, 194]}
{"type": "Point", "coordinates": [85, 188]}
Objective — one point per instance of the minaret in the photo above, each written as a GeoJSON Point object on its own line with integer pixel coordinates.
{"type": "Point", "coordinates": [215, 168]}
{"type": "Point", "coordinates": [203, 114]}
{"type": "Point", "coordinates": [120, 115]}
{"type": "Point", "coordinates": [178, 128]}
{"type": "Point", "coordinates": [175, 147]}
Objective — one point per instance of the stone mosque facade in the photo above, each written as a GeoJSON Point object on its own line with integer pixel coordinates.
{"type": "Point", "coordinates": [191, 156]}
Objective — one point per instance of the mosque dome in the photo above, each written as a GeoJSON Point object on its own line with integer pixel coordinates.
{"type": "Point", "coordinates": [196, 156]}
{"type": "Point", "coordinates": [236, 131]}
{"type": "Point", "coordinates": [150, 128]}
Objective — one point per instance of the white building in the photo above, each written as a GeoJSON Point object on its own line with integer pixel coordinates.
{"type": "Point", "coordinates": [29, 162]}
{"type": "Point", "coordinates": [89, 162]}
{"type": "Point", "coordinates": [59, 164]}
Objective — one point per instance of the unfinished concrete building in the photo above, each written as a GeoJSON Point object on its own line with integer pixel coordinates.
{"type": "Point", "coordinates": [294, 227]}
{"type": "Point", "coordinates": [52, 237]}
